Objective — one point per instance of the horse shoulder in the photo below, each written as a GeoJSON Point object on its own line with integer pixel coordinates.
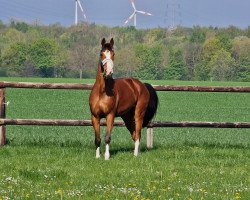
{"type": "Point", "coordinates": [93, 100]}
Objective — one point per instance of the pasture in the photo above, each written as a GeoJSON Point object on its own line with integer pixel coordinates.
{"type": "Point", "coordinates": [185, 163]}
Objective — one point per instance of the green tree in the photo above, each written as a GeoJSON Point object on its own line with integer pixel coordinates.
{"type": "Point", "coordinates": [0, 56]}
{"type": "Point", "coordinates": [12, 36]}
{"type": "Point", "coordinates": [43, 55]}
{"type": "Point", "coordinates": [2, 26]}
{"type": "Point", "coordinates": [149, 59]}
{"type": "Point", "coordinates": [192, 54]}
{"type": "Point", "coordinates": [20, 26]}
{"type": "Point", "coordinates": [81, 58]}
{"type": "Point", "coordinates": [2, 69]}
{"type": "Point", "coordinates": [198, 35]}
{"type": "Point", "coordinates": [154, 35]}
{"type": "Point", "coordinates": [209, 50]}
{"type": "Point", "coordinates": [233, 31]}
{"type": "Point", "coordinates": [241, 53]}
{"type": "Point", "coordinates": [32, 35]}
{"type": "Point", "coordinates": [176, 69]}
{"type": "Point", "coordinates": [222, 66]}
{"type": "Point", "coordinates": [125, 62]}
{"type": "Point", "coordinates": [14, 57]}
{"type": "Point", "coordinates": [248, 32]}
{"type": "Point", "coordinates": [225, 41]}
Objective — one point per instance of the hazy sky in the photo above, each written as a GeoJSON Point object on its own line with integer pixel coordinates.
{"type": "Point", "coordinates": [114, 12]}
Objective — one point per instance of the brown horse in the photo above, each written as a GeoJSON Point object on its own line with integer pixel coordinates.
{"type": "Point", "coordinates": [136, 103]}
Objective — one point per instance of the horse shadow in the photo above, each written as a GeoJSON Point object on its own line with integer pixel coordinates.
{"type": "Point", "coordinates": [126, 149]}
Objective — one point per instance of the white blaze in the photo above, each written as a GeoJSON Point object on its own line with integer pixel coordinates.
{"type": "Point", "coordinates": [109, 62]}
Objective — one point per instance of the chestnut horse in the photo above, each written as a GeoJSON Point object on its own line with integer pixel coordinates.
{"type": "Point", "coordinates": [136, 103]}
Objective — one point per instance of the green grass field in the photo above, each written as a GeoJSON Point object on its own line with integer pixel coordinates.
{"type": "Point", "coordinates": [185, 163]}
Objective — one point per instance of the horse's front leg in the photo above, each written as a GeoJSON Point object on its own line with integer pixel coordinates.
{"type": "Point", "coordinates": [110, 122]}
{"type": "Point", "coordinates": [96, 125]}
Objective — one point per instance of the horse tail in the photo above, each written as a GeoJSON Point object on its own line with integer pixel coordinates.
{"type": "Point", "coordinates": [152, 105]}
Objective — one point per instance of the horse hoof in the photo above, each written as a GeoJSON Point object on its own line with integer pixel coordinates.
{"type": "Point", "coordinates": [136, 153]}
{"type": "Point", "coordinates": [107, 156]}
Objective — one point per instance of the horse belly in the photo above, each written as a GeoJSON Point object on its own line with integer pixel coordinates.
{"type": "Point", "coordinates": [125, 104]}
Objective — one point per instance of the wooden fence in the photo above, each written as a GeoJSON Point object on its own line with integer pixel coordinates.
{"type": "Point", "coordinates": [49, 122]}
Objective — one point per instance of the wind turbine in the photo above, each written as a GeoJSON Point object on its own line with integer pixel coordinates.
{"type": "Point", "coordinates": [135, 13]}
{"type": "Point", "coordinates": [78, 3]}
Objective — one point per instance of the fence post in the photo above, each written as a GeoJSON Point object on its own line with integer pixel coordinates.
{"type": "Point", "coordinates": [2, 115]}
{"type": "Point", "coordinates": [149, 138]}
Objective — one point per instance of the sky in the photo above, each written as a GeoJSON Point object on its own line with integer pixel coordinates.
{"type": "Point", "coordinates": [217, 13]}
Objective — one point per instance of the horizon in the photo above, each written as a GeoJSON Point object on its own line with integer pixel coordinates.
{"type": "Point", "coordinates": [105, 25]}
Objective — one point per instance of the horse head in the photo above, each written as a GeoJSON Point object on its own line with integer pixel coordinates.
{"type": "Point", "coordinates": [107, 57]}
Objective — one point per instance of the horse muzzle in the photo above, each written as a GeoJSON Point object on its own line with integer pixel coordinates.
{"type": "Point", "coordinates": [109, 76]}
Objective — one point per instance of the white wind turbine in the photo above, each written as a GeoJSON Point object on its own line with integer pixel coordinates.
{"type": "Point", "coordinates": [135, 12]}
{"type": "Point", "coordinates": [78, 3]}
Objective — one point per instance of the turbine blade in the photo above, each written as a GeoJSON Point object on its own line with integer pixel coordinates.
{"type": "Point", "coordinates": [130, 17]}
{"type": "Point", "coordinates": [83, 13]}
{"type": "Point", "coordinates": [133, 4]}
{"type": "Point", "coordinates": [144, 13]}
{"type": "Point", "coordinates": [80, 5]}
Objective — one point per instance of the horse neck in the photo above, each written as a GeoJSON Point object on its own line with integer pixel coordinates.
{"type": "Point", "coordinates": [105, 85]}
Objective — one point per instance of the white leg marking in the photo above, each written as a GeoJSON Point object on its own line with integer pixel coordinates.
{"type": "Point", "coordinates": [107, 155]}
{"type": "Point", "coordinates": [97, 152]}
{"type": "Point", "coordinates": [137, 146]}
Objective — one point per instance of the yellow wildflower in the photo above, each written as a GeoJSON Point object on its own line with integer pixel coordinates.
{"type": "Point", "coordinates": [237, 195]}
{"type": "Point", "coordinates": [59, 191]}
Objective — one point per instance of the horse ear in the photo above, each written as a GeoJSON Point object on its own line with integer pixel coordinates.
{"type": "Point", "coordinates": [112, 42]}
{"type": "Point", "coordinates": [103, 41]}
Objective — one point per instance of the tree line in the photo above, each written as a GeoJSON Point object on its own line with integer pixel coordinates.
{"type": "Point", "coordinates": [197, 53]}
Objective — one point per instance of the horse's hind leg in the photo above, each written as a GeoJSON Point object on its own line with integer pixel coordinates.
{"type": "Point", "coordinates": [137, 135]}
{"type": "Point", "coordinates": [129, 121]}
{"type": "Point", "coordinates": [140, 111]}
{"type": "Point", "coordinates": [134, 125]}
{"type": "Point", "coordinates": [96, 125]}
{"type": "Point", "coordinates": [109, 121]}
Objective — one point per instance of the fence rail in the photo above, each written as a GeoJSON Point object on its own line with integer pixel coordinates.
{"type": "Point", "coordinates": [154, 124]}
{"type": "Point", "coordinates": [78, 86]}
